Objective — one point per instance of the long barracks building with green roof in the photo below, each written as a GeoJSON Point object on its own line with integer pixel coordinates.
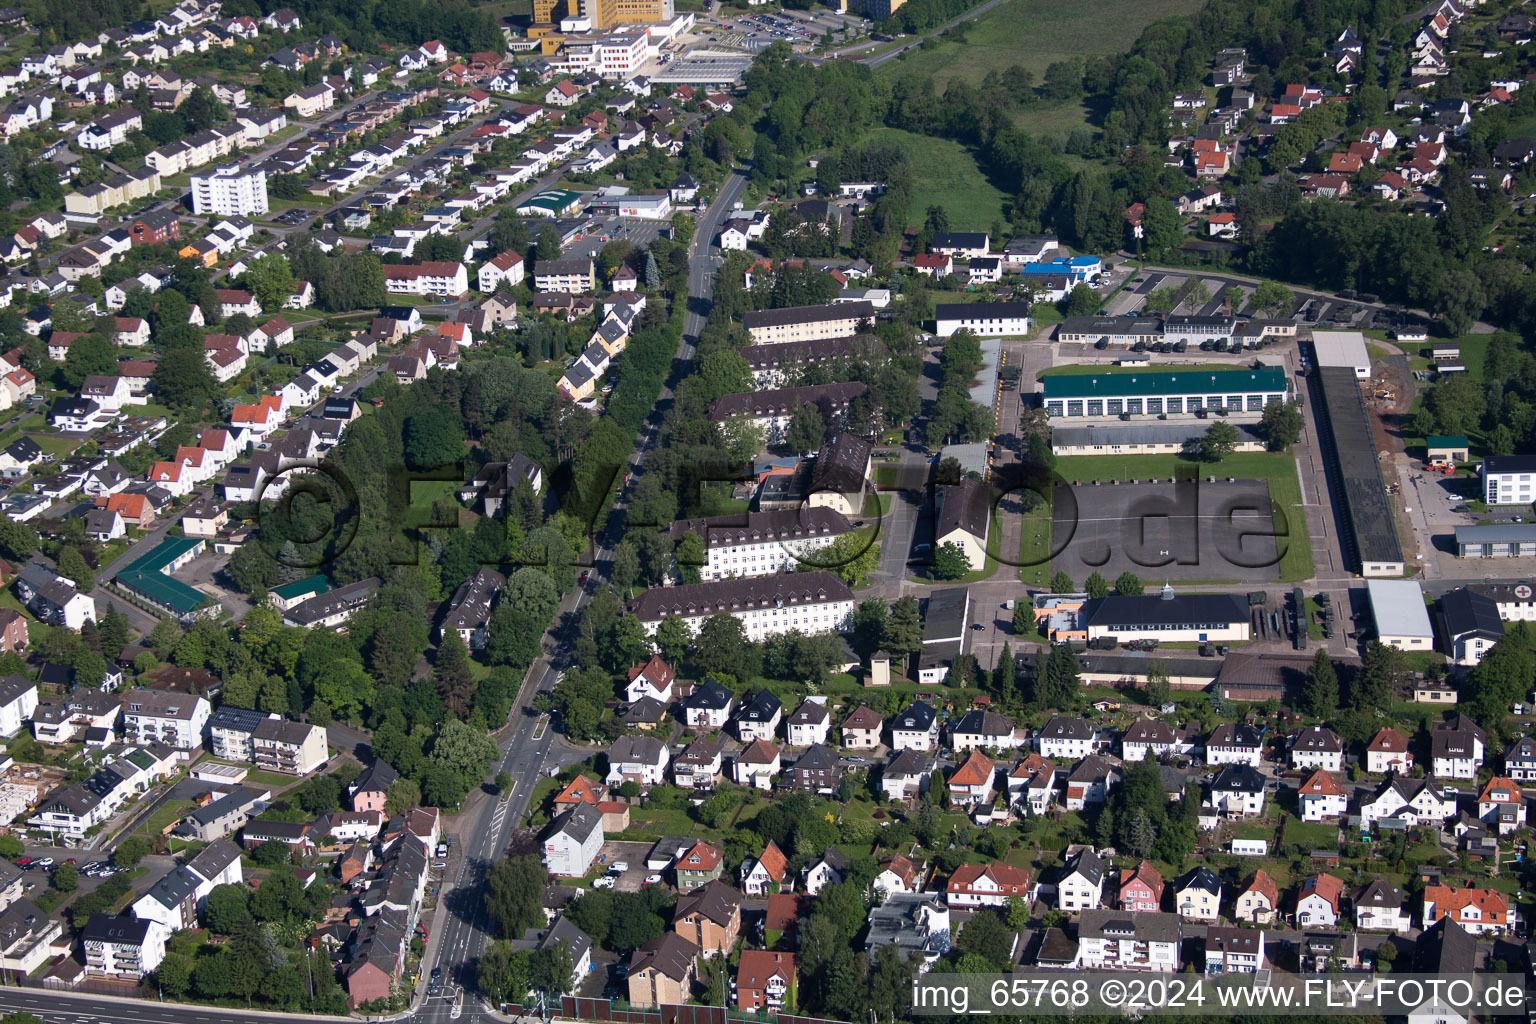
{"type": "Point", "coordinates": [1154, 393]}
{"type": "Point", "coordinates": [150, 579]}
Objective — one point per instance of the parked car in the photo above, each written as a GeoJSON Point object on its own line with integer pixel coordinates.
{"type": "Point", "coordinates": [618, 867]}
{"type": "Point", "coordinates": [605, 882]}
{"type": "Point", "coordinates": [652, 879]}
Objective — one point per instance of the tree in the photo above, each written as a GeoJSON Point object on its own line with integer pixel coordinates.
{"type": "Point", "coordinates": [1128, 584]}
{"type": "Point", "coordinates": [1219, 441]}
{"type": "Point", "coordinates": [402, 795]}
{"type": "Point", "coordinates": [1320, 688]}
{"type": "Point", "coordinates": [1083, 301]}
{"type": "Point", "coordinates": [1162, 227]}
{"type": "Point", "coordinates": [514, 891]}
{"type": "Point", "coordinates": [434, 437]}
{"type": "Point", "coordinates": [950, 562]}
{"type": "Point", "coordinates": [1061, 583]}
{"type": "Point", "coordinates": [185, 384]}
{"type": "Point", "coordinates": [1280, 426]}
{"type": "Point", "coordinates": [690, 555]}
{"type": "Point", "coordinates": [87, 356]}
{"type": "Point", "coordinates": [1386, 954]}
{"type": "Point", "coordinates": [505, 973]}
{"type": "Point", "coordinates": [722, 647]}
{"type": "Point", "coordinates": [460, 754]}
{"type": "Point", "coordinates": [1059, 687]}
{"type": "Point", "coordinates": [548, 247]}
{"type": "Point", "coordinates": [673, 639]}
{"type": "Point", "coordinates": [451, 673]}
{"type": "Point", "coordinates": [270, 279]}
{"type": "Point", "coordinates": [66, 878]}
{"type": "Point", "coordinates": [113, 631]}
{"type": "Point", "coordinates": [1023, 618]}
{"type": "Point", "coordinates": [174, 976]}
{"type": "Point", "coordinates": [130, 851]}
{"type": "Point", "coordinates": [806, 429]}
{"type": "Point", "coordinates": [1383, 675]}
{"type": "Point", "coordinates": [270, 854]}
{"type": "Point", "coordinates": [1273, 299]}
{"type": "Point", "coordinates": [503, 782]}
{"type": "Point", "coordinates": [11, 848]}
{"type": "Point", "coordinates": [1159, 687]}
{"type": "Point", "coordinates": [1096, 586]}
{"type": "Point", "coordinates": [72, 564]}
{"type": "Point", "coordinates": [904, 627]}
{"type": "Point", "coordinates": [850, 558]}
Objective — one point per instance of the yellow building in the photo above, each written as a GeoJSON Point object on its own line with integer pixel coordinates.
{"type": "Point", "coordinates": [603, 14]}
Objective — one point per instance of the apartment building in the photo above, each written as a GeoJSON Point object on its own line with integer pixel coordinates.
{"type": "Point", "coordinates": [814, 602]}
{"type": "Point", "coordinates": [807, 323]}
{"type": "Point", "coordinates": [766, 544]}
{"type": "Point", "coordinates": [178, 720]}
{"type": "Point", "coordinates": [291, 748]}
{"type": "Point", "coordinates": [238, 189]}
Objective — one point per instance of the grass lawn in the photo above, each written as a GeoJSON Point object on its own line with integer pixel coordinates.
{"type": "Point", "coordinates": [1312, 835]}
{"type": "Point", "coordinates": [1278, 468]}
{"type": "Point", "coordinates": [1035, 34]}
{"type": "Point", "coordinates": [649, 823]}
{"type": "Point", "coordinates": [1035, 548]}
{"type": "Point", "coordinates": [946, 174]}
{"type": "Point", "coordinates": [153, 409]}
{"type": "Point", "coordinates": [424, 493]}
{"type": "Point", "coordinates": [165, 815]}
{"type": "Point", "coordinates": [53, 444]}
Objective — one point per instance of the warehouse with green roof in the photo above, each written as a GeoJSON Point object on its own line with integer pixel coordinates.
{"type": "Point", "coordinates": [148, 579]}
{"type": "Point", "coordinates": [552, 202]}
{"type": "Point", "coordinates": [1153, 393]}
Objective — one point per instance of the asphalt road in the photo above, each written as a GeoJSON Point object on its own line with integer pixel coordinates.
{"type": "Point", "coordinates": [528, 752]}
{"type": "Point", "coordinates": [891, 55]}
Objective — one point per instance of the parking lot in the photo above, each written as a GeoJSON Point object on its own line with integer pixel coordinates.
{"type": "Point", "coordinates": [1194, 530]}
{"type": "Point", "coordinates": [640, 233]}
{"type": "Point", "coordinates": [630, 854]}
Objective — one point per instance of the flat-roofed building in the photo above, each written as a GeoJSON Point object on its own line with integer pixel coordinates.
{"type": "Point", "coordinates": [1187, 617]}
{"type": "Point", "coordinates": [1400, 614]}
{"type": "Point", "coordinates": [1499, 540]}
{"type": "Point", "coordinates": [1342, 348]}
{"type": "Point", "coordinates": [1142, 439]}
{"type": "Point", "coordinates": [1163, 393]}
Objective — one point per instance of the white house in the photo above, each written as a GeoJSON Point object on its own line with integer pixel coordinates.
{"type": "Point", "coordinates": [1317, 747]}
{"type": "Point", "coordinates": [1116, 940]}
{"type": "Point", "coordinates": [1065, 738]}
{"type": "Point", "coordinates": [1321, 797]}
{"type": "Point", "coordinates": [1081, 886]}
{"type": "Point", "coordinates": [641, 759]}
{"type": "Point", "coordinates": [572, 841]}
{"type": "Point", "coordinates": [1380, 906]}
{"type": "Point", "coordinates": [1317, 902]}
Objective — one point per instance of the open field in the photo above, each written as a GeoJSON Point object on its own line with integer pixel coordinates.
{"type": "Point", "coordinates": [946, 174]}
{"type": "Point", "coordinates": [1278, 469]}
{"type": "Point", "coordinates": [1036, 34]}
